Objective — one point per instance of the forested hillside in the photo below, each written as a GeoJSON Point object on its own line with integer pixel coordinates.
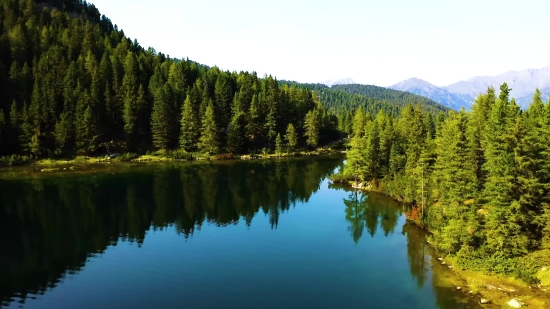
{"type": "Point", "coordinates": [480, 181]}
{"type": "Point", "coordinates": [73, 83]}
{"type": "Point", "coordinates": [343, 100]}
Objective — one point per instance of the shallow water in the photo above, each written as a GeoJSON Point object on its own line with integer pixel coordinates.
{"type": "Point", "coordinates": [263, 234]}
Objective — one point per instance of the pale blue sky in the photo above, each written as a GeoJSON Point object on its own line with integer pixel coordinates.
{"type": "Point", "coordinates": [373, 42]}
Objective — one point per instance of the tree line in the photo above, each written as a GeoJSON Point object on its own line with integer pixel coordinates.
{"type": "Point", "coordinates": [73, 83]}
{"type": "Point", "coordinates": [479, 180]}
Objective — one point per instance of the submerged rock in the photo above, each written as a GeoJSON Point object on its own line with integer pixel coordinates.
{"type": "Point", "coordinates": [514, 304]}
{"type": "Point", "coordinates": [484, 301]}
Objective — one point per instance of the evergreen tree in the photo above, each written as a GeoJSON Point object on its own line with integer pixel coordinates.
{"type": "Point", "coordinates": [130, 88]}
{"type": "Point", "coordinates": [253, 127]}
{"type": "Point", "coordinates": [236, 133]}
{"type": "Point", "coordinates": [291, 137]}
{"type": "Point", "coordinates": [190, 127]}
{"type": "Point", "coordinates": [209, 132]}
{"type": "Point", "coordinates": [311, 124]}
{"type": "Point", "coordinates": [64, 133]}
{"type": "Point", "coordinates": [372, 151]}
{"type": "Point", "coordinates": [163, 119]}
{"type": "Point", "coordinates": [355, 158]}
{"type": "Point", "coordinates": [279, 144]}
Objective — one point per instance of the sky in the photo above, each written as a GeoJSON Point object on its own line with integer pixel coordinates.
{"type": "Point", "coordinates": [378, 42]}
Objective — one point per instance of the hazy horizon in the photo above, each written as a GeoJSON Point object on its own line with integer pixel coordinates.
{"type": "Point", "coordinates": [372, 42]}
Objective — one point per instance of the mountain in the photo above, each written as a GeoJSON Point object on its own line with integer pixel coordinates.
{"type": "Point", "coordinates": [341, 98]}
{"type": "Point", "coordinates": [463, 93]}
{"type": "Point", "coordinates": [437, 94]}
{"type": "Point", "coordinates": [342, 81]}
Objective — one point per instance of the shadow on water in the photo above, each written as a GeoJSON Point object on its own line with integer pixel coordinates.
{"type": "Point", "coordinates": [56, 223]}
{"type": "Point", "coordinates": [378, 213]}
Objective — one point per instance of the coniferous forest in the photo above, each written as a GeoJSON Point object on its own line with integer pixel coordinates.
{"type": "Point", "coordinates": [479, 181]}
{"type": "Point", "coordinates": [74, 84]}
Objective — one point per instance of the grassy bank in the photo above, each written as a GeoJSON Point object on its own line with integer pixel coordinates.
{"type": "Point", "coordinates": [50, 165]}
{"type": "Point", "coordinates": [498, 289]}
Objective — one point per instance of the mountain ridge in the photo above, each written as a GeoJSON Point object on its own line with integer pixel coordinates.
{"type": "Point", "coordinates": [463, 93]}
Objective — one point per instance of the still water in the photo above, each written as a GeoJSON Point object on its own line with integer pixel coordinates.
{"type": "Point", "coordinates": [266, 234]}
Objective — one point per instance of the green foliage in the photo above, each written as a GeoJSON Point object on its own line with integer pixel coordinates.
{"type": "Point", "coordinates": [190, 126]}
{"type": "Point", "coordinates": [291, 137]}
{"type": "Point", "coordinates": [279, 144]}
{"type": "Point", "coordinates": [311, 124]}
{"type": "Point", "coordinates": [163, 119]}
{"type": "Point", "coordinates": [77, 84]}
{"type": "Point", "coordinates": [480, 180]}
{"type": "Point", "coordinates": [209, 133]}
{"type": "Point", "coordinates": [236, 133]}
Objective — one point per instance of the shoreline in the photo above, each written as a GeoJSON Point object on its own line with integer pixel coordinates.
{"type": "Point", "coordinates": [83, 164]}
{"type": "Point", "coordinates": [489, 290]}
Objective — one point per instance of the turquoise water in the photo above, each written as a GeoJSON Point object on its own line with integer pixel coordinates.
{"type": "Point", "coordinates": [266, 234]}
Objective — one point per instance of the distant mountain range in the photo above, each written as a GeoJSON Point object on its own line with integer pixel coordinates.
{"type": "Point", "coordinates": [342, 81]}
{"type": "Point", "coordinates": [463, 93]}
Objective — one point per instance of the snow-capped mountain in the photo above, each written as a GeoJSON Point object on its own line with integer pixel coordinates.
{"type": "Point", "coordinates": [440, 95]}
{"type": "Point", "coordinates": [342, 81]}
{"type": "Point", "coordinates": [463, 93]}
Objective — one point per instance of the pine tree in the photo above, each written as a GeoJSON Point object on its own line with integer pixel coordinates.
{"type": "Point", "coordinates": [503, 222]}
{"type": "Point", "coordinates": [291, 137]}
{"type": "Point", "coordinates": [279, 144]}
{"type": "Point", "coordinates": [15, 129]}
{"type": "Point", "coordinates": [163, 119]}
{"type": "Point", "coordinates": [209, 132]}
{"type": "Point", "coordinates": [190, 127]}
{"type": "Point", "coordinates": [355, 158]}
{"type": "Point", "coordinates": [64, 133]}
{"type": "Point", "coordinates": [311, 125]}
{"type": "Point", "coordinates": [253, 126]}
{"type": "Point", "coordinates": [236, 133]}
{"type": "Point", "coordinates": [130, 88]}
{"type": "Point", "coordinates": [454, 181]}
{"type": "Point", "coordinates": [372, 151]}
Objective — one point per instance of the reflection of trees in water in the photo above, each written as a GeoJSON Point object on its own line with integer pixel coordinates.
{"type": "Point", "coordinates": [416, 251]}
{"type": "Point", "coordinates": [375, 211]}
{"type": "Point", "coordinates": [56, 223]}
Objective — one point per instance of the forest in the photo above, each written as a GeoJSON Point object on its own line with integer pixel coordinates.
{"type": "Point", "coordinates": [73, 84]}
{"type": "Point", "coordinates": [479, 181]}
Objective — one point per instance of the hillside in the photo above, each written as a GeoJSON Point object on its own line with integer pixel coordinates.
{"type": "Point", "coordinates": [73, 84]}
{"type": "Point", "coordinates": [342, 98]}
{"type": "Point", "coordinates": [388, 95]}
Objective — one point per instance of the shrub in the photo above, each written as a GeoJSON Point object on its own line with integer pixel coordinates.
{"type": "Point", "coordinates": [225, 156]}
{"type": "Point", "coordinates": [129, 156]}
{"type": "Point", "coordinates": [14, 160]}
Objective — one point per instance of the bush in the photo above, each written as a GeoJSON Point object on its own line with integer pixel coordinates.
{"type": "Point", "coordinates": [225, 156]}
{"type": "Point", "coordinates": [129, 156]}
{"type": "Point", "coordinates": [180, 154]}
{"type": "Point", "coordinates": [340, 178]}
{"type": "Point", "coordinates": [14, 160]}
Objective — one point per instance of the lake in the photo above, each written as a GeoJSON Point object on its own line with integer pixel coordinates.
{"type": "Point", "coordinates": [254, 234]}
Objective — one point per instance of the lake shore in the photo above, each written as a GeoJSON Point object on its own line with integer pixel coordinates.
{"type": "Point", "coordinates": [490, 290]}
{"type": "Point", "coordinates": [82, 164]}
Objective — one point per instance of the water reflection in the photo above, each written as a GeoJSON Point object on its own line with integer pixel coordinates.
{"type": "Point", "coordinates": [56, 223]}
{"type": "Point", "coordinates": [376, 212]}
